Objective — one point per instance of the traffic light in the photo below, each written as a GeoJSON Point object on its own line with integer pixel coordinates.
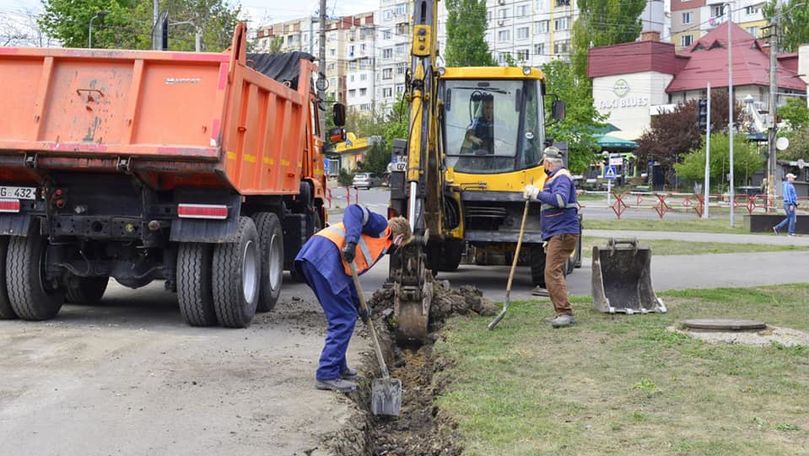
{"type": "Point", "coordinates": [702, 114]}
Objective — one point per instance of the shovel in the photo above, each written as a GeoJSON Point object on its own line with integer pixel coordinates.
{"type": "Point", "coordinates": [506, 303]}
{"type": "Point", "coordinates": [386, 392]}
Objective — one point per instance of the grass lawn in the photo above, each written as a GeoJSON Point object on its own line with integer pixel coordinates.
{"type": "Point", "coordinates": [674, 247]}
{"type": "Point", "coordinates": [626, 385]}
{"type": "Point", "coordinates": [712, 225]}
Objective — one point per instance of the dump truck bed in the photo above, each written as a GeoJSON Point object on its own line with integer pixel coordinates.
{"type": "Point", "coordinates": [175, 118]}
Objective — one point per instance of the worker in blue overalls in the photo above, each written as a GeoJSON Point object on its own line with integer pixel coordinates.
{"type": "Point", "coordinates": [362, 238]}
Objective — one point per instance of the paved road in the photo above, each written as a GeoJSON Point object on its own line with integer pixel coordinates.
{"type": "Point", "coordinates": [768, 239]}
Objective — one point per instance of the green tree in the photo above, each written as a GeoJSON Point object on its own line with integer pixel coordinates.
{"type": "Point", "coordinates": [795, 113]}
{"type": "Point", "coordinates": [128, 23]}
{"type": "Point", "coordinates": [672, 135]}
{"type": "Point", "coordinates": [466, 28]}
{"type": "Point", "coordinates": [746, 161]}
{"type": "Point", "coordinates": [581, 120]}
{"type": "Point", "coordinates": [602, 23]}
{"type": "Point", "coordinates": [798, 145]}
{"type": "Point", "coordinates": [376, 160]}
{"type": "Point", "coordinates": [276, 44]}
{"type": "Point", "coordinates": [794, 22]}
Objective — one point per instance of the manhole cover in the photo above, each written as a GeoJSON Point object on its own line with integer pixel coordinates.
{"type": "Point", "coordinates": [718, 324]}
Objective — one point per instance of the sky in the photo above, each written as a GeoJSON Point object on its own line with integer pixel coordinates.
{"type": "Point", "coordinates": [261, 11]}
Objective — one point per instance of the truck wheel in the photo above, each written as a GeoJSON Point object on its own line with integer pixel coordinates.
{"type": "Point", "coordinates": [237, 277]}
{"type": "Point", "coordinates": [6, 312]}
{"type": "Point", "coordinates": [271, 238]}
{"type": "Point", "coordinates": [451, 253]}
{"type": "Point", "coordinates": [85, 290]}
{"type": "Point", "coordinates": [194, 288]}
{"type": "Point", "coordinates": [30, 297]}
{"type": "Point", "coordinates": [536, 259]}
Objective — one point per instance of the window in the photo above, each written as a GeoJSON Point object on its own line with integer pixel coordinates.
{"type": "Point", "coordinates": [687, 17]}
{"type": "Point", "coordinates": [489, 16]}
{"type": "Point", "coordinates": [522, 55]}
{"type": "Point", "coordinates": [351, 51]}
{"type": "Point", "coordinates": [403, 29]}
{"type": "Point", "coordinates": [332, 52]}
{"type": "Point", "coordinates": [503, 35]}
{"type": "Point", "coordinates": [750, 10]}
{"type": "Point", "coordinates": [387, 15]}
{"type": "Point", "coordinates": [561, 47]}
{"type": "Point", "coordinates": [561, 24]}
{"type": "Point", "coordinates": [686, 40]}
{"type": "Point", "coordinates": [351, 78]}
{"type": "Point", "coordinates": [753, 31]}
{"type": "Point", "coordinates": [386, 35]}
{"type": "Point", "coordinates": [562, 2]}
{"type": "Point", "coordinates": [387, 92]}
{"type": "Point", "coordinates": [521, 11]}
{"type": "Point", "coordinates": [522, 33]}
{"type": "Point", "coordinates": [387, 73]}
{"type": "Point", "coordinates": [504, 57]}
{"type": "Point", "coordinates": [363, 92]}
{"type": "Point", "coordinates": [503, 13]}
{"type": "Point", "coordinates": [401, 49]}
{"type": "Point", "coordinates": [400, 10]}
{"type": "Point", "coordinates": [399, 89]}
{"type": "Point", "coordinates": [352, 93]}
{"type": "Point", "coordinates": [539, 49]}
{"type": "Point", "coordinates": [387, 53]}
{"type": "Point", "coordinates": [401, 67]}
{"type": "Point", "coordinates": [363, 77]}
{"type": "Point", "coordinates": [716, 10]}
{"type": "Point", "coordinates": [541, 27]}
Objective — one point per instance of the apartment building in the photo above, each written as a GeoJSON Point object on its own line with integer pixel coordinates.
{"type": "Point", "coordinates": [360, 57]}
{"type": "Point", "coordinates": [392, 51]}
{"type": "Point", "coordinates": [692, 19]}
{"type": "Point", "coordinates": [536, 32]}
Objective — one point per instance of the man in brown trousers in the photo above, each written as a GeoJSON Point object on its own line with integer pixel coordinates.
{"type": "Point", "coordinates": [560, 230]}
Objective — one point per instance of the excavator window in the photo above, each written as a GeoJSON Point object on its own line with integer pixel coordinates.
{"type": "Point", "coordinates": [491, 126]}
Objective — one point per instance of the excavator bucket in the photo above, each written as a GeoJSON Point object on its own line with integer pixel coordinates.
{"type": "Point", "coordinates": [622, 281]}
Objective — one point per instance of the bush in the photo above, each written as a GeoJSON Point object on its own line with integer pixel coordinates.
{"type": "Point", "coordinates": [345, 179]}
{"type": "Point", "coordinates": [746, 161]}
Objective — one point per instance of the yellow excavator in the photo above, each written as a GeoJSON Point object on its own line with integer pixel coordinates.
{"type": "Point", "coordinates": [475, 139]}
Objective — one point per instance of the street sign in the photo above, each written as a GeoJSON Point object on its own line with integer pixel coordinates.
{"type": "Point", "coordinates": [616, 161]}
{"type": "Point", "coordinates": [610, 174]}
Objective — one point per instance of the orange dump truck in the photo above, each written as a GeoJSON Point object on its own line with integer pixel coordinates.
{"type": "Point", "coordinates": [193, 168]}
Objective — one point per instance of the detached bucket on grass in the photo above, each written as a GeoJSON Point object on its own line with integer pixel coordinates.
{"type": "Point", "coordinates": [622, 282]}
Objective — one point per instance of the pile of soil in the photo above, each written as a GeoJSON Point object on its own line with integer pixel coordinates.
{"type": "Point", "coordinates": [422, 428]}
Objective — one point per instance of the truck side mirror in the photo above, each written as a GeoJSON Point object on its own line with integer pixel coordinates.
{"type": "Point", "coordinates": [337, 135]}
{"type": "Point", "coordinates": [558, 110]}
{"type": "Point", "coordinates": [339, 114]}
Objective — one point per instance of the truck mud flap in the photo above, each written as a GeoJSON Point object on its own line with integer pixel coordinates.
{"type": "Point", "coordinates": [15, 225]}
{"type": "Point", "coordinates": [622, 281]}
{"type": "Point", "coordinates": [205, 231]}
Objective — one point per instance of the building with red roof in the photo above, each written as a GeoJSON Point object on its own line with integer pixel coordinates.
{"type": "Point", "coordinates": [634, 81]}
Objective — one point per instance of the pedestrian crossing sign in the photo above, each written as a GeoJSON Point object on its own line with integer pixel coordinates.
{"type": "Point", "coordinates": [610, 174]}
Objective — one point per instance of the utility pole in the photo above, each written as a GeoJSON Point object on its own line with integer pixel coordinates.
{"type": "Point", "coordinates": [155, 19]}
{"type": "Point", "coordinates": [773, 107]}
{"type": "Point", "coordinates": [730, 112]}
{"type": "Point", "coordinates": [706, 213]}
{"type": "Point", "coordinates": [322, 56]}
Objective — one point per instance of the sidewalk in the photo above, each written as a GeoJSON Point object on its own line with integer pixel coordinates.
{"type": "Point", "coordinates": [769, 239]}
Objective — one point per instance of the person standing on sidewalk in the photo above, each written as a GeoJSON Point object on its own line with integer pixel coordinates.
{"type": "Point", "coordinates": [559, 223]}
{"type": "Point", "coordinates": [790, 206]}
{"type": "Point", "coordinates": [362, 238]}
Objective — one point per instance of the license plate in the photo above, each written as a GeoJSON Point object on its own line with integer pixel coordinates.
{"type": "Point", "coordinates": [26, 193]}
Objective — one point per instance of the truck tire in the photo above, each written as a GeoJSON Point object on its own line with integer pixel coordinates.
{"type": "Point", "coordinates": [30, 297]}
{"type": "Point", "coordinates": [271, 237]}
{"type": "Point", "coordinates": [194, 287]}
{"type": "Point", "coordinates": [536, 260]}
{"type": "Point", "coordinates": [6, 312]}
{"type": "Point", "coordinates": [85, 290]}
{"type": "Point", "coordinates": [237, 277]}
{"type": "Point", "coordinates": [451, 254]}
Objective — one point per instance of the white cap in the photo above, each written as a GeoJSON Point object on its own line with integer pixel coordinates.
{"type": "Point", "coordinates": [790, 175]}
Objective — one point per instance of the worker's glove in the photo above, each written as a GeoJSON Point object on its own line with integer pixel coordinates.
{"type": "Point", "coordinates": [530, 192]}
{"type": "Point", "coordinates": [349, 251]}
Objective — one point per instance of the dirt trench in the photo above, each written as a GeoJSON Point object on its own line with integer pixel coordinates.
{"type": "Point", "coordinates": [422, 428]}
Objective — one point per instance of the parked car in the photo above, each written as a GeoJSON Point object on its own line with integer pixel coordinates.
{"type": "Point", "coordinates": [366, 180]}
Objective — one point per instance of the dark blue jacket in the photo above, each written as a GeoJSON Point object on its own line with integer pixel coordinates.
{"type": "Point", "coordinates": [321, 253]}
{"type": "Point", "coordinates": [559, 212]}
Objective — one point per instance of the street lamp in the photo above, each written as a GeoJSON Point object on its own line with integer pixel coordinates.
{"type": "Point", "coordinates": [99, 15]}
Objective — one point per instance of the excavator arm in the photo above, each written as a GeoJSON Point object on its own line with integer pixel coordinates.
{"type": "Point", "coordinates": [412, 280]}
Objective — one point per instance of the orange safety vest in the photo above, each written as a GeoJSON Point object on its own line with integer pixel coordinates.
{"type": "Point", "coordinates": [370, 249]}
